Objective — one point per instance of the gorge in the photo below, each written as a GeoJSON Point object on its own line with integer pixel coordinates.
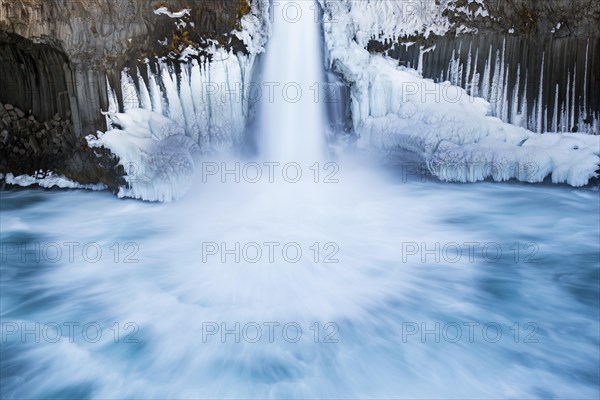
{"type": "Point", "coordinates": [198, 67]}
{"type": "Point", "coordinates": [299, 199]}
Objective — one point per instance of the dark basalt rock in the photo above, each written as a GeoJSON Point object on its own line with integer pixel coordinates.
{"type": "Point", "coordinates": [30, 147]}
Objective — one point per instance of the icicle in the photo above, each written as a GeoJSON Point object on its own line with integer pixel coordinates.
{"type": "Point", "coordinates": [567, 123]}
{"type": "Point", "coordinates": [494, 95]}
{"type": "Point", "coordinates": [475, 82]}
{"type": "Point", "coordinates": [174, 111]}
{"type": "Point", "coordinates": [514, 117]}
{"type": "Point", "coordinates": [113, 102]}
{"type": "Point", "coordinates": [585, 81]}
{"type": "Point", "coordinates": [451, 77]}
{"type": "Point", "coordinates": [200, 99]}
{"type": "Point", "coordinates": [420, 65]}
{"type": "Point", "coordinates": [486, 76]}
{"type": "Point", "coordinates": [502, 85]}
{"type": "Point", "coordinates": [540, 127]}
{"type": "Point", "coordinates": [129, 91]}
{"type": "Point", "coordinates": [573, 90]}
{"type": "Point", "coordinates": [458, 67]}
{"type": "Point", "coordinates": [555, 116]}
{"type": "Point", "coordinates": [155, 93]}
{"type": "Point", "coordinates": [505, 108]}
{"type": "Point", "coordinates": [524, 109]}
{"type": "Point", "coordinates": [468, 73]}
{"type": "Point", "coordinates": [145, 101]}
{"type": "Point", "coordinates": [189, 112]}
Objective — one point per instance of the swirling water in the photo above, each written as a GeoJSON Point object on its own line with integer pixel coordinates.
{"type": "Point", "coordinates": [378, 295]}
{"type": "Point", "coordinates": [367, 305]}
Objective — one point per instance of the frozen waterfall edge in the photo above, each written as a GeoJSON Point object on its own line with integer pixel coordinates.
{"type": "Point", "coordinates": [172, 112]}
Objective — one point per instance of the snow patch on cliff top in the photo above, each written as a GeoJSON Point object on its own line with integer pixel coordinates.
{"type": "Point", "coordinates": [255, 28]}
{"type": "Point", "coordinates": [389, 20]}
{"type": "Point", "coordinates": [384, 19]}
{"type": "Point", "coordinates": [178, 14]}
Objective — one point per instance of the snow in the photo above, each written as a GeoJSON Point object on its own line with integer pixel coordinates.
{"type": "Point", "coordinates": [255, 27]}
{"type": "Point", "coordinates": [49, 180]}
{"type": "Point", "coordinates": [178, 14]}
{"type": "Point", "coordinates": [452, 132]}
{"type": "Point", "coordinates": [154, 151]}
{"type": "Point", "coordinates": [386, 19]}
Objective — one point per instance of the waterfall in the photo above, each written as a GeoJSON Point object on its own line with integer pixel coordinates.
{"type": "Point", "coordinates": [291, 111]}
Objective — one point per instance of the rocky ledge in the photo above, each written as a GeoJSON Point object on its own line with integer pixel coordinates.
{"type": "Point", "coordinates": [31, 147]}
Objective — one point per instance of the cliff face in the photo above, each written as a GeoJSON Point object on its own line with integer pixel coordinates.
{"type": "Point", "coordinates": [557, 18]}
{"type": "Point", "coordinates": [112, 32]}
{"type": "Point", "coordinates": [101, 37]}
{"type": "Point", "coordinates": [57, 56]}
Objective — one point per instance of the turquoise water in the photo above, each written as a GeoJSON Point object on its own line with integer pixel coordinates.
{"type": "Point", "coordinates": [379, 317]}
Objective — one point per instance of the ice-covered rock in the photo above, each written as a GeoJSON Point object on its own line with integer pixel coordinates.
{"type": "Point", "coordinates": [155, 153]}
{"type": "Point", "coordinates": [452, 132]}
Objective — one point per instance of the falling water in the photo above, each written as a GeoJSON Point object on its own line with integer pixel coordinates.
{"type": "Point", "coordinates": [370, 320]}
{"type": "Point", "coordinates": [292, 121]}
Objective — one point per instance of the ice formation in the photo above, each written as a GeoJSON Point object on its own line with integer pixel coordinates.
{"type": "Point", "coordinates": [157, 155]}
{"type": "Point", "coordinates": [165, 120]}
{"type": "Point", "coordinates": [453, 132]}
